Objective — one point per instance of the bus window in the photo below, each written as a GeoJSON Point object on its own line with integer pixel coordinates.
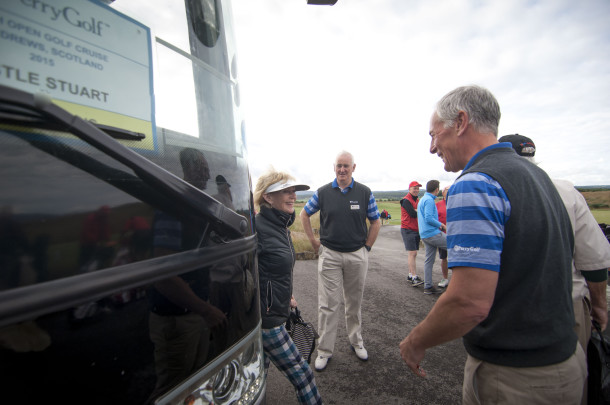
{"type": "Point", "coordinates": [127, 253]}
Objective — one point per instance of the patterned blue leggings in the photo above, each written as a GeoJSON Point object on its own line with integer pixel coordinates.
{"type": "Point", "coordinates": [280, 349]}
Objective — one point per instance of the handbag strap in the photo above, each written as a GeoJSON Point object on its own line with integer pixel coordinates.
{"type": "Point", "coordinates": [602, 338]}
{"type": "Point", "coordinates": [295, 314]}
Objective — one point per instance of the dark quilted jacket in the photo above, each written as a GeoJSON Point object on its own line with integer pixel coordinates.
{"type": "Point", "coordinates": [276, 260]}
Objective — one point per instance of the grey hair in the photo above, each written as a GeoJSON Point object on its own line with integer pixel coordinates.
{"type": "Point", "coordinates": [531, 159]}
{"type": "Point", "coordinates": [345, 153]}
{"type": "Point", "coordinates": [482, 108]}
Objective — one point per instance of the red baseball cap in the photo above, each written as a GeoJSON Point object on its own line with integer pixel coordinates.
{"type": "Point", "coordinates": [414, 183]}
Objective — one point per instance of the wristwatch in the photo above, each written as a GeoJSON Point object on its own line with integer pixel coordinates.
{"type": "Point", "coordinates": [368, 248]}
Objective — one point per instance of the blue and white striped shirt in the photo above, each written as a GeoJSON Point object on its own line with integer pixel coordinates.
{"type": "Point", "coordinates": [477, 211]}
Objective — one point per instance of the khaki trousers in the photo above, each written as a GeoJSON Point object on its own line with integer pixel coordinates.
{"type": "Point", "coordinates": [582, 327]}
{"type": "Point", "coordinates": [562, 383]}
{"type": "Point", "coordinates": [582, 317]}
{"type": "Point", "coordinates": [340, 274]}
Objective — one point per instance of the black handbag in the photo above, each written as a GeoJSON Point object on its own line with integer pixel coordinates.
{"type": "Point", "coordinates": [598, 363]}
{"type": "Point", "coordinates": [303, 334]}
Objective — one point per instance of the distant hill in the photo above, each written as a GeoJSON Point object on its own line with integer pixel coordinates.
{"type": "Point", "coordinates": [379, 195]}
{"type": "Point", "coordinates": [394, 195]}
{"type": "Point", "coordinates": [304, 195]}
{"type": "Point", "coordinates": [398, 194]}
{"type": "Point", "coordinates": [592, 188]}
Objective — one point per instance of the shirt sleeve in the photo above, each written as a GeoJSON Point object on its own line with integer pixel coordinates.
{"type": "Point", "coordinates": [406, 204]}
{"type": "Point", "coordinates": [431, 214]}
{"type": "Point", "coordinates": [372, 211]}
{"type": "Point", "coordinates": [312, 205]}
{"type": "Point", "coordinates": [591, 248]}
{"type": "Point", "coordinates": [477, 211]}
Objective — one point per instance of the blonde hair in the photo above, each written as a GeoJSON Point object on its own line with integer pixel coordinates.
{"type": "Point", "coordinates": [268, 178]}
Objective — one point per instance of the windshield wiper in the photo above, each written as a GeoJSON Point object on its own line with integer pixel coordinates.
{"type": "Point", "coordinates": [39, 111]}
{"type": "Point", "coordinates": [120, 133]}
{"type": "Point", "coordinates": [15, 115]}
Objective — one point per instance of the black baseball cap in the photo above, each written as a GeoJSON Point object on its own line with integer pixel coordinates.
{"type": "Point", "coordinates": [523, 145]}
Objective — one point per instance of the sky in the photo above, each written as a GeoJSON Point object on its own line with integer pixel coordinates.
{"type": "Point", "coordinates": [364, 76]}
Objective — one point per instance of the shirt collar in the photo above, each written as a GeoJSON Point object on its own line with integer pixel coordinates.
{"type": "Point", "coordinates": [494, 146]}
{"type": "Point", "coordinates": [336, 185]}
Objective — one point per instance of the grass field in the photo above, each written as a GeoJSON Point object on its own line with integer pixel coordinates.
{"type": "Point", "coordinates": [301, 243]}
{"type": "Point", "coordinates": [601, 216]}
{"type": "Point", "coordinates": [393, 207]}
{"type": "Point", "coordinates": [299, 239]}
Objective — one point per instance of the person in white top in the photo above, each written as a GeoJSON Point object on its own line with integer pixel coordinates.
{"type": "Point", "coordinates": [591, 253]}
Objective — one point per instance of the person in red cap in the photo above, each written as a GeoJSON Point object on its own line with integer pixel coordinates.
{"type": "Point", "coordinates": [410, 231]}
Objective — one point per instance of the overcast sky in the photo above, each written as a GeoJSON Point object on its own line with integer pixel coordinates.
{"type": "Point", "coordinates": [364, 76]}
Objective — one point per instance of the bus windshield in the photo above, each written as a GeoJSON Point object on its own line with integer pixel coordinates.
{"type": "Point", "coordinates": [126, 221]}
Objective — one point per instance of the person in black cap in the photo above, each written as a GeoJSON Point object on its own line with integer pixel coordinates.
{"type": "Point", "coordinates": [523, 145]}
{"type": "Point", "coordinates": [591, 253]}
{"type": "Point", "coordinates": [224, 191]}
{"type": "Point", "coordinates": [221, 181]}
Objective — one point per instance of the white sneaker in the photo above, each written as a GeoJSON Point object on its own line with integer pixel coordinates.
{"type": "Point", "coordinates": [361, 353]}
{"type": "Point", "coordinates": [443, 283]}
{"type": "Point", "coordinates": [321, 362]}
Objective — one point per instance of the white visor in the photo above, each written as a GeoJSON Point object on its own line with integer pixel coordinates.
{"type": "Point", "coordinates": [281, 185]}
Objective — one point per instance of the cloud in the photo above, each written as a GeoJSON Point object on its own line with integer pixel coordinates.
{"type": "Point", "coordinates": [364, 76]}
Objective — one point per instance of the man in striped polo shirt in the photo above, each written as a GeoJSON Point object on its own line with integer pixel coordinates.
{"type": "Point", "coordinates": [510, 245]}
{"type": "Point", "coordinates": [344, 245]}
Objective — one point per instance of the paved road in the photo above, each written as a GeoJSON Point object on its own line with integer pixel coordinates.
{"type": "Point", "coordinates": [391, 309]}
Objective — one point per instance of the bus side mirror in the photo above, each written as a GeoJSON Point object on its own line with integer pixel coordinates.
{"type": "Point", "coordinates": [322, 2]}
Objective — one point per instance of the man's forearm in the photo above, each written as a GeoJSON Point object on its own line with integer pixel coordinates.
{"type": "Point", "coordinates": [599, 302]}
{"type": "Point", "coordinates": [449, 319]}
{"type": "Point", "coordinates": [373, 232]}
{"type": "Point", "coordinates": [307, 226]}
{"type": "Point", "coordinates": [463, 306]}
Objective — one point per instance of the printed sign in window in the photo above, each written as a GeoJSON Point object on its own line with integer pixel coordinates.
{"type": "Point", "coordinates": [90, 59]}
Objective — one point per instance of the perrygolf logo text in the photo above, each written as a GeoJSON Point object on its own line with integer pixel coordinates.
{"type": "Point", "coordinates": [466, 249]}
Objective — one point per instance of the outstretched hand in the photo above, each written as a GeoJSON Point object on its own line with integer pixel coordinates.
{"type": "Point", "coordinates": [412, 357]}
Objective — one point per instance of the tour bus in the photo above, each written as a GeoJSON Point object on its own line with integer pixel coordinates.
{"type": "Point", "coordinates": [128, 272]}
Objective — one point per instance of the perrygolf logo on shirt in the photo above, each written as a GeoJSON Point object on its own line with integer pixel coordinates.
{"type": "Point", "coordinates": [458, 248]}
{"type": "Point", "coordinates": [354, 205]}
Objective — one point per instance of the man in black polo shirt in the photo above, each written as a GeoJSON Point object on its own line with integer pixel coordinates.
{"type": "Point", "coordinates": [344, 244]}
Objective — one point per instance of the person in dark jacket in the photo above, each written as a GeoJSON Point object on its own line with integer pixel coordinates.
{"type": "Point", "coordinates": [274, 196]}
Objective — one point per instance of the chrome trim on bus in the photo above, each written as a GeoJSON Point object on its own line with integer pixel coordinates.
{"type": "Point", "coordinates": [197, 61]}
{"type": "Point", "coordinates": [215, 366]}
